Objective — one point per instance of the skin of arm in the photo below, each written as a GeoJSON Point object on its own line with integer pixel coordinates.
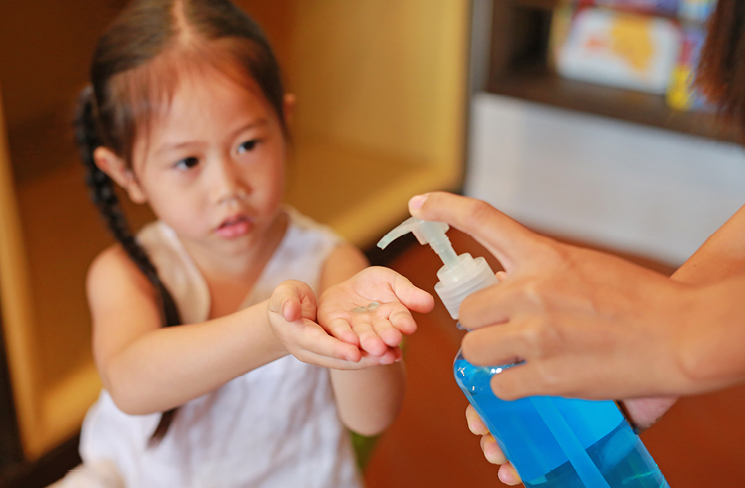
{"type": "Point", "coordinates": [711, 310]}
{"type": "Point", "coordinates": [720, 258]}
{"type": "Point", "coordinates": [369, 399]}
{"type": "Point", "coordinates": [148, 369]}
{"type": "Point", "coordinates": [588, 324]}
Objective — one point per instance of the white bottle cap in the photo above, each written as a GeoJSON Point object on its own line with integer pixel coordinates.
{"type": "Point", "coordinates": [460, 276]}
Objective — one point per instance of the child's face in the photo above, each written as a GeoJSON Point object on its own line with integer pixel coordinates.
{"type": "Point", "coordinates": [212, 166]}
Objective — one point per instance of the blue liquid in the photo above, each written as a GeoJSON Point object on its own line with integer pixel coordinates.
{"type": "Point", "coordinates": [561, 442]}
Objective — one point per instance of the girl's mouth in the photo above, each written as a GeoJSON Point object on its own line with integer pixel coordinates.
{"type": "Point", "coordinates": [236, 226]}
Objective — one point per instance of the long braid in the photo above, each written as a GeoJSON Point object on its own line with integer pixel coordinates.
{"type": "Point", "coordinates": [104, 197]}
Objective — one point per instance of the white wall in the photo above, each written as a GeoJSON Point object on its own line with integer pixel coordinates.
{"type": "Point", "coordinates": [633, 187]}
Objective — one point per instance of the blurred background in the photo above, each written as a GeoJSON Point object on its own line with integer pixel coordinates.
{"type": "Point", "coordinates": [579, 119]}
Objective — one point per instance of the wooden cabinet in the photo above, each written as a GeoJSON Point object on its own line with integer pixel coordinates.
{"type": "Point", "coordinates": [381, 116]}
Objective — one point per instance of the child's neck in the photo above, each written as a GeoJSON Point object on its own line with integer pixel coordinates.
{"type": "Point", "coordinates": [230, 278]}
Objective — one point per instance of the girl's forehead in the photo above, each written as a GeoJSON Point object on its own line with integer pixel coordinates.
{"type": "Point", "coordinates": [202, 101]}
{"type": "Point", "coordinates": [213, 92]}
{"type": "Point", "coordinates": [203, 107]}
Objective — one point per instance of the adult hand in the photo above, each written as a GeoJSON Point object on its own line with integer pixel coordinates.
{"type": "Point", "coordinates": [587, 324]}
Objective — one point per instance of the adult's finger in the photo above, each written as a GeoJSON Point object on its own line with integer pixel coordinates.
{"type": "Point", "coordinates": [499, 303]}
{"type": "Point", "coordinates": [475, 424]}
{"type": "Point", "coordinates": [506, 239]}
{"type": "Point", "coordinates": [500, 344]}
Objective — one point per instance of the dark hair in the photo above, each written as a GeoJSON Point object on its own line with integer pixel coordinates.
{"type": "Point", "coordinates": [721, 71]}
{"type": "Point", "coordinates": [127, 87]}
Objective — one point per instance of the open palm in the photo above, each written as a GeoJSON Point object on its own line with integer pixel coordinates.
{"type": "Point", "coordinates": [372, 310]}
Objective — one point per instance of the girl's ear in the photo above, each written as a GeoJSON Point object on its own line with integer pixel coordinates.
{"type": "Point", "coordinates": [117, 169]}
{"type": "Point", "coordinates": [289, 107]}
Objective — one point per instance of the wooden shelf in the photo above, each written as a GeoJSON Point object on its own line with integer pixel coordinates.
{"type": "Point", "coordinates": [642, 108]}
{"type": "Point", "coordinates": [520, 67]}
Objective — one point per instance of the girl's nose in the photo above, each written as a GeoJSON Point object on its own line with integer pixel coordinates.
{"type": "Point", "coordinates": [228, 186]}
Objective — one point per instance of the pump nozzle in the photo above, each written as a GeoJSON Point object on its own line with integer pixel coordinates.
{"type": "Point", "coordinates": [460, 276]}
{"type": "Point", "coordinates": [426, 232]}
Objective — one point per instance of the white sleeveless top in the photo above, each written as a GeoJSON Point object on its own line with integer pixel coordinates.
{"type": "Point", "coordinates": [275, 427]}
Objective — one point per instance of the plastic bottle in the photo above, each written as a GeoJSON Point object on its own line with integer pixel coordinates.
{"type": "Point", "coordinates": [551, 441]}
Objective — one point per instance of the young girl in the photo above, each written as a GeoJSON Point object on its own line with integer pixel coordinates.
{"type": "Point", "coordinates": [187, 114]}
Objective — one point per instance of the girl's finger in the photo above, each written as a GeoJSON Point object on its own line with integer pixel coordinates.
{"type": "Point", "coordinates": [292, 309]}
{"type": "Point", "coordinates": [503, 237]}
{"type": "Point", "coordinates": [412, 297]}
{"type": "Point", "coordinates": [341, 329]}
{"type": "Point", "coordinates": [365, 361]}
{"type": "Point", "coordinates": [402, 320]}
{"type": "Point", "coordinates": [318, 342]}
{"type": "Point", "coordinates": [369, 339]}
{"type": "Point", "coordinates": [387, 333]}
{"type": "Point", "coordinates": [293, 299]}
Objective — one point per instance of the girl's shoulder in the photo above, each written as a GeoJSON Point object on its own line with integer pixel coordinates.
{"type": "Point", "coordinates": [113, 268]}
{"type": "Point", "coordinates": [113, 272]}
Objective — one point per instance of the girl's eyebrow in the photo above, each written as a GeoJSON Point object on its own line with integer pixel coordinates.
{"type": "Point", "coordinates": [254, 123]}
{"type": "Point", "coordinates": [178, 145]}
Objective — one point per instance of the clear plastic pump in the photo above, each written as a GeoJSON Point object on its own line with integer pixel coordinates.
{"type": "Point", "coordinates": [460, 275]}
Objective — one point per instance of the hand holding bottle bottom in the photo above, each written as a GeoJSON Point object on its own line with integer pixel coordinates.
{"type": "Point", "coordinates": [489, 446]}
{"type": "Point", "coordinates": [642, 412]}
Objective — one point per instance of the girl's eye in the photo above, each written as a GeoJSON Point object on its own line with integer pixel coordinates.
{"type": "Point", "coordinates": [187, 163]}
{"type": "Point", "coordinates": [247, 146]}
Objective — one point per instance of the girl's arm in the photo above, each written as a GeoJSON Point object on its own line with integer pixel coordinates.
{"type": "Point", "coordinates": [147, 368]}
{"type": "Point", "coordinates": [369, 399]}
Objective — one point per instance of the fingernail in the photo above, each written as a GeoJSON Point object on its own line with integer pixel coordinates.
{"type": "Point", "coordinates": [416, 202]}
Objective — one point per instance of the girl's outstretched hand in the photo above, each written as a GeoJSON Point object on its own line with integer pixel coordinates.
{"type": "Point", "coordinates": [292, 311]}
{"type": "Point", "coordinates": [371, 310]}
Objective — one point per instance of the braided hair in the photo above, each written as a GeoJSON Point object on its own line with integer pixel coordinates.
{"type": "Point", "coordinates": [126, 88]}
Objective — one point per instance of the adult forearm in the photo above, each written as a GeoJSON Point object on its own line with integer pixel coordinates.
{"type": "Point", "coordinates": [168, 367]}
{"type": "Point", "coordinates": [712, 353]}
{"type": "Point", "coordinates": [721, 257]}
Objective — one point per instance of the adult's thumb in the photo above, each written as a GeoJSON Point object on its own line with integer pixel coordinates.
{"type": "Point", "coordinates": [502, 236]}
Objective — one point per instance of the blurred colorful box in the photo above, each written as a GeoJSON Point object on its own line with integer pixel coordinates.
{"type": "Point", "coordinates": [696, 10]}
{"type": "Point", "coordinates": [681, 94]}
{"type": "Point", "coordinates": [664, 7]}
{"type": "Point", "coordinates": [621, 49]}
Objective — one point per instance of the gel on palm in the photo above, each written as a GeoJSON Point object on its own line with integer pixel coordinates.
{"type": "Point", "coordinates": [551, 441]}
